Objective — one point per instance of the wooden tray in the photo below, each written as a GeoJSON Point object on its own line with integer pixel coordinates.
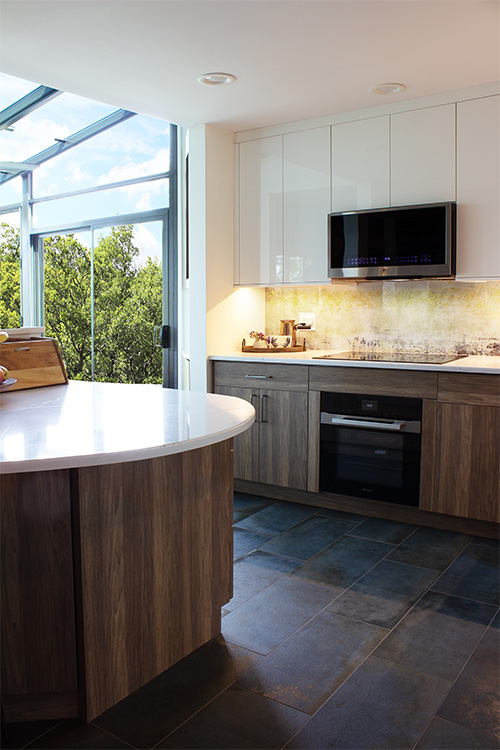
{"type": "Point", "coordinates": [273, 349]}
{"type": "Point", "coordinates": [33, 363]}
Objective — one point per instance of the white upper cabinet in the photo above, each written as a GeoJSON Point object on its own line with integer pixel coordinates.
{"type": "Point", "coordinates": [478, 191]}
{"type": "Point", "coordinates": [360, 164]}
{"type": "Point", "coordinates": [423, 156]}
{"type": "Point", "coordinates": [260, 217]}
{"type": "Point", "coordinates": [306, 182]}
{"type": "Point", "coordinates": [288, 183]}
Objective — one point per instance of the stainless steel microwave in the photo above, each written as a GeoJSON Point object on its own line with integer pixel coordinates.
{"type": "Point", "coordinates": [401, 242]}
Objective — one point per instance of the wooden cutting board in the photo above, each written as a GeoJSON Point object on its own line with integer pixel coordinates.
{"type": "Point", "coordinates": [34, 363]}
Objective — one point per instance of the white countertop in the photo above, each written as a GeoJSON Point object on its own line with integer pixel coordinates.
{"type": "Point", "coordinates": [480, 364]}
{"type": "Point", "coordinates": [89, 424]}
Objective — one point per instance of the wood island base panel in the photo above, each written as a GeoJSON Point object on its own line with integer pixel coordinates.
{"type": "Point", "coordinates": [110, 575]}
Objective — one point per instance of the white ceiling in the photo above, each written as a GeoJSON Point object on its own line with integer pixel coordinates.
{"type": "Point", "coordinates": [294, 59]}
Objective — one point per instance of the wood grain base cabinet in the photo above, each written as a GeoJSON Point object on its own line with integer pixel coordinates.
{"type": "Point", "coordinates": [467, 479]}
{"type": "Point", "coordinates": [274, 450]}
{"type": "Point", "coordinates": [460, 476]}
{"type": "Point", "coordinates": [468, 476]}
{"type": "Point", "coordinates": [110, 575]}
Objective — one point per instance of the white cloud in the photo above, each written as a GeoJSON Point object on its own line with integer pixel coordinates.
{"type": "Point", "coordinates": [158, 163]}
{"type": "Point", "coordinates": [144, 202]}
{"type": "Point", "coordinates": [30, 136]}
{"type": "Point", "coordinates": [148, 244]}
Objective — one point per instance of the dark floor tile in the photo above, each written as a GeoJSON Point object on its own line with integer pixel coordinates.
{"type": "Point", "coordinates": [245, 541]}
{"type": "Point", "coordinates": [21, 733]}
{"type": "Point", "coordinates": [444, 735]}
{"type": "Point", "coordinates": [384, 594]}
{"type": "Point", "coordinates": [438, 635]}
{"type": "Point", "coordinates": [473, 701]}
{"type": "Point", "coordinates": [495, 623]}
{"type": "Point", "coordinates": [486, 542]}
{"type": "Point", "coordinates": [309, 537]}
{"type": "Point", "coordinates": [246, 503]}
{"type": "Point", "coordinates": [430, 548]}
{"type": "Point", "coordinates": [73, 733]}
{"type": "Point", "coordinates": [343, 562]}
{"type": "Point", "coordinates": [255, 572]}
{"type": "Point", "coordinates": [342, 515]}
{"type": "Point", "coordinates": [381, 705]}
{"type": "Point", "coordinates": [156, 709]}
{"type": "Point", "coordinates": [238, 516]}
{"type": "Point", "coordinates": [383, 530]}
{"type": "Point", "coordinates": [237, 719]}
{"type": "Point", "coordinates": [277, 518]}
{"type": "Point", "coordinates": [263, 622]}
{"type": "Point", "coordinates": [305, 670]}
{"type": "Point", "coordinates": [475, 575]}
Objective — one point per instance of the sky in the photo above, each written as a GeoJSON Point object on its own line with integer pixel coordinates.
{"type": "Point", "coordinates": [134, 148]}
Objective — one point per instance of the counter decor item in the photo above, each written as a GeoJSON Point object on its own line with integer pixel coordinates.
{"type": "Point", "coordinates": [274, 345]}
{"type": "Point", "coordinates": [284, 342]}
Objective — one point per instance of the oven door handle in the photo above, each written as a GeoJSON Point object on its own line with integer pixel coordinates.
{"type": "Point", "coordinates": [393, 425]}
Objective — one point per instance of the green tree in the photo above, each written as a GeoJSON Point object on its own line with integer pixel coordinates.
{"type": "Point", "coordinates": [67, 265]}
{"type": "Point", "coordinates": [127, 304]}
{"type": "Point", "coordinates": [10, 274]}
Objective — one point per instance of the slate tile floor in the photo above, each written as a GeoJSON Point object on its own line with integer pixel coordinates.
{"type": "Point", "coordinates": [343, 632]}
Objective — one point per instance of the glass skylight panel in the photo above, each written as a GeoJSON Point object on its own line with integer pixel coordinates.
{"type": "Point", "coordinates": [12, 89]}
{"type": "Point", "coordinates": [57, 119]}
{"type": "Point", "coordinates": [136, 148]}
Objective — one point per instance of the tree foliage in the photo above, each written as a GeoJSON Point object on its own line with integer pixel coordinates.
{"type": "Point", "coordinates": [10, 275]}
{"type": "Point", "coordinates": [127, 304]}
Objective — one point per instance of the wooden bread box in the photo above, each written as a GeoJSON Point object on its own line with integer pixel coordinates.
{"type": "Point", "coordinates": [33, 363]}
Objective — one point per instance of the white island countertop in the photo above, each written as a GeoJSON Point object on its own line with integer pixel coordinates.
{"type": "Point", "coordinates": [91, 424]}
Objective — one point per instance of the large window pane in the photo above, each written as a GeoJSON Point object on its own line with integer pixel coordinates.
{"type": "Point", "coordinates": [128, 303]}
{"type": "Point", "coordinates": [11, 192]}
{"type": "Point", "coordinates": [113, 202]}
{"type": "Point", "coordinates": [111, 339]}
{"type": "Point", "coordinates": [10, 285]}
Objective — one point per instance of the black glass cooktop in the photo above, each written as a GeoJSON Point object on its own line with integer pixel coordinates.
{"type": "Point", "coordinates": [412, 357]}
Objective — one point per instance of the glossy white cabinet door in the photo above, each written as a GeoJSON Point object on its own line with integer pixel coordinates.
{"type": "Point", "coordinates": [423, 156]}
{"type": "Point", "coordinates": [360, 164]}
{"type": "Point", "coordinates": [478, 188]}
{"type": "Point", "coordinates": [260, 218]}
{"type": "Point", "coordinates": [306, 176]}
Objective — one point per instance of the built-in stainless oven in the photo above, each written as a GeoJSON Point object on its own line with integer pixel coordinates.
{"type": "Point", "coordinates": [370, 446]}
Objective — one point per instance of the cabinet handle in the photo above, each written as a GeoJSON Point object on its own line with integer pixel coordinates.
{"type": "Point", "coordinates": [259, 377]}
{"type": "Point", "coordinates": [255, 406]}
{"type": "Point", "coordinates": [263, 416]}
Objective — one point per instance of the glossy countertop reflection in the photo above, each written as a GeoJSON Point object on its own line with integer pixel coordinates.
{"type": "Point", "coordinates": [90, 424]}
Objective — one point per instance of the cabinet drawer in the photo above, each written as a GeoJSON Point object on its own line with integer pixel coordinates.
{"type": "Point", "coordinates": [374, 381]}
{"type": "Point", "coordinates": [261, 375]}
{"type": "Point", "coordinates": [469, 388]}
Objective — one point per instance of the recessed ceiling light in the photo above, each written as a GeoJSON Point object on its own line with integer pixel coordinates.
{"type": "Point", "coordinates": [387, 88]}
{"type": "Point", "coordinates": [216, 79]}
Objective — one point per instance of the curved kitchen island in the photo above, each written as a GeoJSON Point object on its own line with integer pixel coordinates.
{"type": "Point", "coordinates": [116, 515]}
